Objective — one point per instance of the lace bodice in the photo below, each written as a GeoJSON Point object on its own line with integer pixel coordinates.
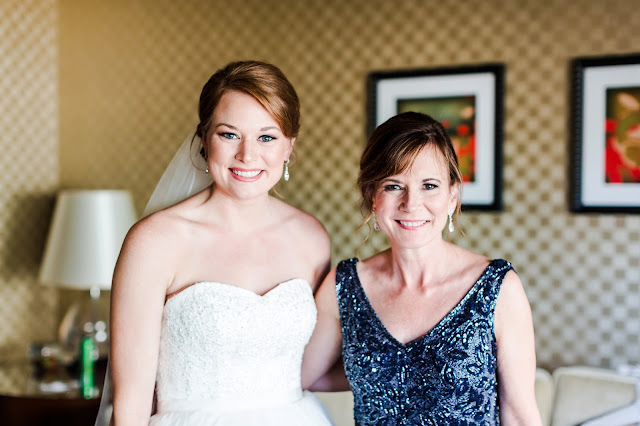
{"type": "Point", "coordinates": [448, 376]}
{"type": "Point", "coordinates": [223, 343]}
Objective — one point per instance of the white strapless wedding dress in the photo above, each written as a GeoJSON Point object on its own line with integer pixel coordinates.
{"type": "Point", "coordinates": [231, 357]}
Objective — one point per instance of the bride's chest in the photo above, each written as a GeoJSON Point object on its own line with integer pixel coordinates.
{"type": "Point", "coordinates": [256, 264]}
{"type": "Point", "coordinates": [209, 315]}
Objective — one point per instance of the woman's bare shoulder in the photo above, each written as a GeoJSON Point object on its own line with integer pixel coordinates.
{"type": "Point", "coordinates": [376, 265]}
{"type": "Point", "coordinates": [310, 239]}
{"type": "Point", "coordinates": [304, 224]}
{"type": "Point", "coordinates": [158, 234]}
{"type": "Point", "coordinates": [466, 262]}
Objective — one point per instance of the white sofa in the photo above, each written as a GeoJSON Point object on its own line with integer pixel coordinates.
{"type": "Point", "coordinates": [568, 397]}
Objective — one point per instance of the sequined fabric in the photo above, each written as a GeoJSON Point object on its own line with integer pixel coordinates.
{"type": "Point", "coordinates": [446, 377]}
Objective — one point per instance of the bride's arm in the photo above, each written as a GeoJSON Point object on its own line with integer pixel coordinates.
{"type": "Point", "coordinates": [141, 277]}
{"type": "Point", "coordinates": [323, 350]}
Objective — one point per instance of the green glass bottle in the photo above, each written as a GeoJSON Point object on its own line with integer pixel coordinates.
{"type": "Point", "coordinates": [87, 360]}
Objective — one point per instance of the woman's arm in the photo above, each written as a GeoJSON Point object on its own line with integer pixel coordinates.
{"type": "Point", "coordinates": [323, 350]}
{"type": "Point", "coordinates": [137, 300]}
{"type": "Point", "coordinates": [516, 355]}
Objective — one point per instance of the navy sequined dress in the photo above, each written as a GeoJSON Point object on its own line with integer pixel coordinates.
{"type": "Point", "coordinates": [446, 377]}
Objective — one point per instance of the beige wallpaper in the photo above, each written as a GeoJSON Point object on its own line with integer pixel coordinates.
{"type": "Point", "coordinates": [28, 167]}
{"type": "Point", "coordinates": [130, 73]}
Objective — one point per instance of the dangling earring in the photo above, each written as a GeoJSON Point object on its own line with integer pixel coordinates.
{"type": "Point", "coordinates": [286, 170]}
{"type": "Point", "coordinates": [206, 170]}
{"type": "Point", "coordinates": [451, 227]}
{"type": "Point", "coordinates": [375, 222]}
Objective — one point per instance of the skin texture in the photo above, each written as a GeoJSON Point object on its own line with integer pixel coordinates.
{"type": "Point", "coordinates": [419, 280]}
{"type": "Point", "coordinates": [221, 234]}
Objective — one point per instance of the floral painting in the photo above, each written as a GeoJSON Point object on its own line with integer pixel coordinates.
{"type": "Point", "coordinates": [622, 128]}
{"type": "Point", "coordinates": [458, 117]}
{"type": "Point", "coordinates": [468, 101]}
{"type": "Point", "coordinates": [605, 153]}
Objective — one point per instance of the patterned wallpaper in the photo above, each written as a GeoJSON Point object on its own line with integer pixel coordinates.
{"type": "Point", "coordinates": [130, 73]}
{"type": "Point", "coordinates": [29, 167]}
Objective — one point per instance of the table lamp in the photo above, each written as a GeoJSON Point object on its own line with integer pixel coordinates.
{"type": "Point", "coordinates": [85, 237]}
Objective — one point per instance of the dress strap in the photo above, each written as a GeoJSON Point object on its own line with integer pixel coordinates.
{"type": "Point", "coordinates": [491, 282]}
{"type": "Point", "coordinates": [346, 274]}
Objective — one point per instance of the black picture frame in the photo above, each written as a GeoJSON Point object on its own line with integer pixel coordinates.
{"type": "Point", "coordinates": [444, 91]}
{"type": "Point", "coordinates": [603, 179]}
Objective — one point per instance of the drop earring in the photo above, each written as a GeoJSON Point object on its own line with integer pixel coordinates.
{"type": "Point", "coordinates": [375, 222]}
{"type": "Point", "coordinates": [451, 227]}
{"type": "Point", "coordinates": [286, 170]}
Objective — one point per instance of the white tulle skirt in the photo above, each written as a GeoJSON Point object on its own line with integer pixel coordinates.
{"type": "Point", "coordinates": [306, 410]}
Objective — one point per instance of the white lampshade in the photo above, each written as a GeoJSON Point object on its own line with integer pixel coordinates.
{"type": "Point", "coordinates": [86, 234]}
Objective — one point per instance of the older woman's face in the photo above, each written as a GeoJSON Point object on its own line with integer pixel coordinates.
{"type": "Point", "coordinates": [412, 208]}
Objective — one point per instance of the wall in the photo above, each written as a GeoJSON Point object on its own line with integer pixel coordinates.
{"type": "Point", "coordinates": [28, 168]}
{"type": "Point", "coordinates": [131, 73]}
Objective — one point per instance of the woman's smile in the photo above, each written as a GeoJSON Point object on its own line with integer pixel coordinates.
{"type": "Point", "coordinates": [411, 224]}
{"type": "Point", "coordinates": [244, 175]}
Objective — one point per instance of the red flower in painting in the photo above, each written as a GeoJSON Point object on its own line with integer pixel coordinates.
{"type": "Point", "coordinates": [463, 129]}
{"type": "Point", "coordinates": [619, 168]}
{"type": "Point", "coordinates": [613, 162]}
{"type": "Point", "coordinates": [466, 156]}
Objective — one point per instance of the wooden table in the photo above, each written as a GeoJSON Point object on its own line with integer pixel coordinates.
{"type": "Point", "coordinates": [29, 398]}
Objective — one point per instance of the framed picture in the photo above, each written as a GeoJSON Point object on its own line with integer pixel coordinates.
{"type": "Point", "coordinates": [605, 164]}
{"type": "Point", "coordinates": [468, 101]}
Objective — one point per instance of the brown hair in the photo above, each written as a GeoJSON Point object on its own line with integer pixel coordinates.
{"type": "Point", "coordinates": [392, 148]}
{"type": "Point", "coordinates": [265, 82]}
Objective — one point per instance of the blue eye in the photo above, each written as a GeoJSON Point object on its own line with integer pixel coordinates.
{"type": "Point", "coordinates": [430, 186]}
{"type": "Point", "coordinates": [266, 138]}
{"type": "Point", "coordinates": [389, 188]}
{"type": "Point", "coordinates": [228, 135]}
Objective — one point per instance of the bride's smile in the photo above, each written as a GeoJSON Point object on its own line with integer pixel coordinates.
{"type": "Point", "coordinates": [246, 175]}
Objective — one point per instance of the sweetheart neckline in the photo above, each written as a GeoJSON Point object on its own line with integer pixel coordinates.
{"type": "Point", "coordinates": [241, 289]}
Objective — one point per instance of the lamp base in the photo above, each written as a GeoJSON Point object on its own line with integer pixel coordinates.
{"type": "Point", "coordinates": [82, 317]}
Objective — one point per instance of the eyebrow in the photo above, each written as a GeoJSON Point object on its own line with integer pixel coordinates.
{"type": "Point", "coordinates": [264, 129]}
{"type": "Point", "coordinates": [227, 125]}
{"type": "Point", "coordinates": [423, 180]}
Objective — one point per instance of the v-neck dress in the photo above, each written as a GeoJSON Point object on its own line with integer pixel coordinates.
{"type": "Point", "coordinates": [446, 377]}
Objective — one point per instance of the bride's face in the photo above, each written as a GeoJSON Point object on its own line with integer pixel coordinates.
{"type": "Point", "coordinates": [245, 147]}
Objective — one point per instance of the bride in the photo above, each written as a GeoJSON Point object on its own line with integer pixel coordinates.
{"type": "Point", "coordinates": [212, 297]}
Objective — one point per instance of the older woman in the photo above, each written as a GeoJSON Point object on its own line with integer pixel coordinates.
{"type": "Point", "coordinates": [430, 333]}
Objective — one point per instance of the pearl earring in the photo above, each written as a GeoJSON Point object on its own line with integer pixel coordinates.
{"type": "Point", "coordinates": [451, 227]}
{"type": "Point", "coordinates": [286, 170]}
{"type": "Point", "coordinates": [375, 222]}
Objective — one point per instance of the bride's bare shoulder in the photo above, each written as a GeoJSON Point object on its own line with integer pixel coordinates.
{"type": "Point", "coordinates": [305, 227]}
{"type": "Point", "coordinates": [159, 229]}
